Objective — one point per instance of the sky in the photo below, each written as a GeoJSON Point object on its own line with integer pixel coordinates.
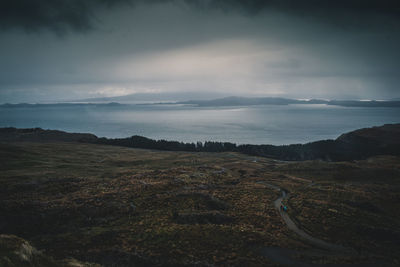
{"type": "Point", "coordinates": [61, 50]}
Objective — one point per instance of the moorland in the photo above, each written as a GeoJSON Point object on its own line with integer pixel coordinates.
{"type": "Point", "coordinates": [65, 203]}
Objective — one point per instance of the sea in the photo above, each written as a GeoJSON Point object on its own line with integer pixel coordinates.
{"type": "Point", "coordinates": [264, 124]}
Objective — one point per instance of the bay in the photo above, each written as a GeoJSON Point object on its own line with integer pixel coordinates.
{"type": "Point", "coordinates": [267, 124]}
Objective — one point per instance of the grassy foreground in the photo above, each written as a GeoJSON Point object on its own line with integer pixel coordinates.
{"type": "Point", "coordinates": [122, 207]}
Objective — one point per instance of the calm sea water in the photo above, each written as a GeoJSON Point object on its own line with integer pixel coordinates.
{"type": "Point", "coordinates": [243, 125]}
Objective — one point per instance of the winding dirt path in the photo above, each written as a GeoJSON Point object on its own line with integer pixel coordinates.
{"type": "Point", "coordinates": [292, 226]}
{"type": "Point", "coordinates": [290, 257]}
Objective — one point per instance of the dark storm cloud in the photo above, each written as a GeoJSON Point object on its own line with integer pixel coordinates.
{"type": "Point", "coordinates": [342, 13]}
{"type": "Point", "coordinates": [79, 15]}
{"type": "Point", "coordinates": [55, 15]}
{"type": "Point", "coordinates": [309, 48]}
{"type": "Point", "coordinates": [331, 7]}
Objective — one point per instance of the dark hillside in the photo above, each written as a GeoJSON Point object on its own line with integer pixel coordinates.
{"type": "Point", "coordinates": [12, 134]}
{"type": "Point", "coordinates": [359, 144]}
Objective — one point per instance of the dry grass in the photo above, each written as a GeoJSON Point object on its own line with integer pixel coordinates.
{"type": "Point", "coordinates": [110, 204]}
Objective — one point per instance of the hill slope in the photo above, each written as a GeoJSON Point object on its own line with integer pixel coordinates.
{"type": "Point", "coordinates": [359, 144]}
{"type": "Point", "coordinates": [119, 206]}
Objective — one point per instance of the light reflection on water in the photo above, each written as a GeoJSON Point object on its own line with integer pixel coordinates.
{"type": "Point", "coordinates": [268, 124]}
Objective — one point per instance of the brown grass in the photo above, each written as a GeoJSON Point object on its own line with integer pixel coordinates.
{"type": "Point", "coordinates": [110, 204]}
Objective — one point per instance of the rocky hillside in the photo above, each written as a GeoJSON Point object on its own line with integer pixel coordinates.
{"type": "Point", "coordinates": [17, 252]}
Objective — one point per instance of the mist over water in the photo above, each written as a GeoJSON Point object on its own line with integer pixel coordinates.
{"type": "Point", "coordinates": [268, 124]}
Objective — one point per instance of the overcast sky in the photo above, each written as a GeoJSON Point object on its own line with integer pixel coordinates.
{"type": "Point", "coordinates": [55, 50]}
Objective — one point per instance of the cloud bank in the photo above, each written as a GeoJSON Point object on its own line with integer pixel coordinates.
{"type": "Point", "coordinates": [79, 15]}
{"type": "Point", "coordinates": [328, 49]}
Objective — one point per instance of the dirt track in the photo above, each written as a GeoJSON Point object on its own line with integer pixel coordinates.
{"type": "Point", "coordinates": [292, 226]}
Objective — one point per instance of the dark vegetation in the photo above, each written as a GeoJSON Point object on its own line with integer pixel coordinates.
{"type": "Point", "coordinates": [360, 144]}
{"type": "Point", "coordinates": [119, 206]}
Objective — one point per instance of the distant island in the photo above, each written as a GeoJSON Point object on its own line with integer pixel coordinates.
{"type": "Point", "coordinates": [245, 101]}
{"type": "Point", "coordinates": [359, 144]}
{"type": "Point", "coordinates": [218, 102]}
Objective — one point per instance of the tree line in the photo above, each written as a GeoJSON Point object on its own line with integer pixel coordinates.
{"type": "Point", "coordinates": [331, 150]}
{"type": "Point", "coordinates": [359, 144]}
